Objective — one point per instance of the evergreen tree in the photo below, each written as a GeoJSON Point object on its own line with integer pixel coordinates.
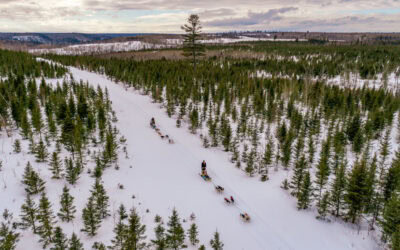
{"type": "Point", "coordinates": [29, 213]}
{"type": "Point", "coordinates": [304, 195]}
{"type": "Point", "coordinates": [8, 235]}
{"type": "Point", "coordinates": [135, 233]}
{"type": "Point", "coordinates": [392, 178]}
{"type": "Point", "coordinates": [91, 218]}
{"type": "Point", "coordinates": [298, 174]}
{"type": "Point", "coordinates": [72, 171]}
{"type": "Point", "coordinates": [193, 234]}
{"type": "Point", "coordinates": [323, 171]}
{"type": "Point", "coordinates": [216, 243]}
{"type": "Point", "coordinates": [391, 217]}
{"type": "Point", "coordinates": [41, 152]}
{"type": "Point", "coordinates": [191, 45]}
{"type": "Point", "coordinates": [32, 181]}
{"type": "Point", "coordinates": [396, 239]}
{"type": "Point", "coordinates": [323, 205]}
{"type": "Point", "coordinates": [101, 199]}
{"type": "Point", "coordinates": [46, 221]}
{"type": "Point", "coordinates": [338, 188]}
{"type": "Point", "coordinates": [355, 192]}
{"type": "Point", "coordinates": [75, 243]}
{"type": "Point", "coordinates": [175, 233]}
{"type": "Point", "coordinates": [67, 208]}
{"type": "Point", "coordinates": [17, 146]}
{"type": "Point", "coordinates": [160, 241]}
{"type": "Point", "coordinates": [55, 165]}
{"type": "Point", "coordinates": [60, 241]}
{"type": "Point", "coordinates": [120, 229]}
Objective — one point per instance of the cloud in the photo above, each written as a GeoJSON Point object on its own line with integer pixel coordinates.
{"type": "Point", "coordinates": [132, 16]}
{"type": "Point", "coordinates": [252, 18]}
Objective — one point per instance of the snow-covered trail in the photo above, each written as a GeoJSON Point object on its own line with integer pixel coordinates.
{"type": "Point", "coordinates": [164, 176]}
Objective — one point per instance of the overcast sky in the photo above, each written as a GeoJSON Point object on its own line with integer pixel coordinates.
{"type": "Point", "coordinates": [166, 16]}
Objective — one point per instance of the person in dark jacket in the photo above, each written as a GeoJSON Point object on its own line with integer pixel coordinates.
{"type": "Point", "coordinates": [204, 168]}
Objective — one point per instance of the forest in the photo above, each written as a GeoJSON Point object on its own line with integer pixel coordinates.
{"type": "Point", "coordinates": [337, 142]}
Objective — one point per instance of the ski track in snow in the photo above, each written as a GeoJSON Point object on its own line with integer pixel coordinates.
{"type": "Point", "coordinates": [164, 176]}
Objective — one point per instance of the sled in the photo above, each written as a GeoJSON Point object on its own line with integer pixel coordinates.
{"type": "Point", "coordinates": [206, 178]}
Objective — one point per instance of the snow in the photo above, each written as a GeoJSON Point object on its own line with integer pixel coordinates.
{"type": "Point", "coordinates": [163, 176]}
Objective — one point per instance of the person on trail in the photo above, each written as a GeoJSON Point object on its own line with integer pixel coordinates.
{"type": "Point", "coordinates": [152, 122]}
{"type": "Point", "coordinates": [203, 168]}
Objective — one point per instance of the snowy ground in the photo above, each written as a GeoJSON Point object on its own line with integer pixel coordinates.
{"type": "Point", "coordinates": [164, 176]}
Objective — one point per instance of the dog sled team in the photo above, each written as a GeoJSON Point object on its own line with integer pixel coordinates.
{"type": "Point", "coordinates": [245, 217]}
{"type": "Point", "coordinates": [158, 131]}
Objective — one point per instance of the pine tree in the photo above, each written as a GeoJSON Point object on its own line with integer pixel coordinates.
{"type": "Point", "coordinates": [216, 243]}
{"type": "Point", "coordinates": [396, 239]}
{"type": "Point", "coordinates": [193, 234]}
{"type": "Point", "coordinates": [323, 171]}
{"type": "Point", "coordinates": [99, 246]}
{"type": "Point", "coordinates": [175, 232]}
{"type": "Point", "coordinates": [135, 233]}
{"type": "Point", "coordinates": [250, 162]}
{"type": "Point", "coordinates": [202, 247]}
{"type": "Point", "coordinates": [304, 195]}
{"type": "Point", "coordinates": [338, 188]}
{"type": "Point", "coordinates": [55, 165]}
{"type": "Point", "coordinates": [41, 152]}
{"type": "Point", "coordinates": [8, 235]}
{"type": "Point", "coordinates": [391, 217]}
{"type": "Point", "coordinates": [120, 229]}
{"type": "Point", "coordinates": [29, 213]}
{"type": "Point", "coordinates": [91, 218]}
{"type": "Point", "coordinates": [67, 208]}
{"type": "Point", "coordinates": [160, 241]}
{"type": "Point", "coordinates": [298, 175]}
{"type": "Point", "coordinates": [392, 178]}
{"type": "Point", "coordinates": [355, 192]}
{"type": "Point", "coordinates": [60, 241]}
{"type": "Point", "coordinates": [46, 221]}
{"type": "Point", "coordinates": [323, 205]}
{"type": "Point", "coordinates": [32, 181]}
{"type": "Point", "coordinates": [72, 172]}
{"type": "Point", "coordinates": [17, 146]}
{"type": "Point", "coordinates": [75, 243]}
{"type": "Point", "coordinates": [191, 45]}
{"type": "Point", "coordinates": [101, 199]}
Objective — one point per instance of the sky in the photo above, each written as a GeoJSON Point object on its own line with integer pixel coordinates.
{"type": "Point", "coordinates": [166, 16]}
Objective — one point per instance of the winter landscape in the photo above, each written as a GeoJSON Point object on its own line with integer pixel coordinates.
{"type": "Point", "coordinates": [216, 128]}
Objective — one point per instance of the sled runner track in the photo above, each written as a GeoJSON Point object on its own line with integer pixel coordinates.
{"type": "Point", "coordinates": [259, 234]}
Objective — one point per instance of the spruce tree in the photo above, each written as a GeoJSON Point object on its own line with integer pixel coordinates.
{"type": "Point", "coordinates": [8, 235]}
{"type": "Point", "coordinates": [191, 46]}
{"type": "Point", "coordinates": [391, 217]}
{"type": "Point", "coordinates": [101, 199]}
{"type": "Point", "coordinates": [55, 166]}
{"type": "Point", "coordinates": [29, 213]}
{"type": "Point", "coordinates": [356, 190]}
{"type": "Point", "coordinates": [32, 181]}
{"type": "Point", "coordinates": [91, 218]}
{"type": "Point", "coordinates": [216, 243]}
{"type": "Point", "coordinates": [120, 229]}
{"type": "Point", "coordinates": [46, 221]}
{"type": "Point", "coordinates": [17, 146]}
{"type": "Point", "coordinates": [323, 170]}
{"type": "Point", "coordinates": [337, 190]}
{"type": "Point", "coordinates": [72, 172]}
{"type": "Point", "coordinates": [135, 233]}
{"type": "Point", "coordinates": [193, 234]}
{"type": "Point", "coordinates": [396, 239]}
{"type": "Point", "coordinates": [160, 241]}
{"type": "Point", "coordinates": [67, 208]}
{"type": "Point", "coordinates": [323, 205]}
{"type": "Point", "coordinates": [75, 243]}
{"type": "Point", "coordinates": [60, 241]}
{"type": "Point", "coordinates": [175, 232]}
{"type": "Point", "coordinates": [304, 195]}
{"type": "Point", "coordinates": [41, 152]}
{"type": "Point", "coordinates": [298, 175]}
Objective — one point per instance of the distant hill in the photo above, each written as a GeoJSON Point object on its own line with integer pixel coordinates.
{"type": "Point", "coordinates": [61, 38]}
